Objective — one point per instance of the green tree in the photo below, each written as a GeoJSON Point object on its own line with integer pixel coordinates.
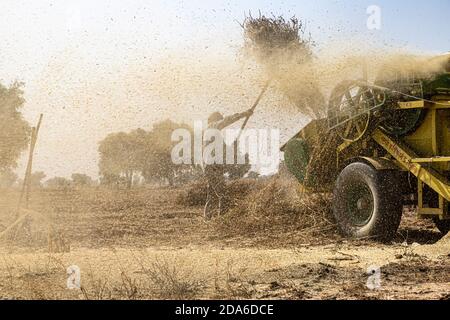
{"type": "Point", "coordinates": [36, 179]}
{"type": "Point", "coordinates": [7, 178]}
{"type": "Point", "coordinates": [58, 183]}
{"type": "Point", "coordinates": [145, 153]}
{"type": "Point", "coordinates": [81, 180]}
{"type": "Point", "coordinates": [118, 157]}
{"type": "Point", "coordinates": [109, 179]}
{"type": "Point", "coordinates": [157, 161]}
{"type": "Point", "coordinates": [14, 130]}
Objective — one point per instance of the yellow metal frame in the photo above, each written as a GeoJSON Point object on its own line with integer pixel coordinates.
{"type": "Point", "coordinates": [431, 160]}
{"type": "Point", "coordinates": [408, 159]}
{"type": "Point", "coordinates": [442, 211]}
{"type": "Point", "coordinates": [411, 104]}
{"type": "Point", "coordinates": [438, 102]}
{"type": "Point", "coordinates": [426, 168]}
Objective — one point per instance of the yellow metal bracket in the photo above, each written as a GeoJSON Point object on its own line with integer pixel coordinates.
{"type": "Point", "coordinates": [431, 160]}
{"type": "Point", "coordinates": [411, 104]}
{"type": "Point", "coordinates": [439, 102]}
{"type": "Point", "coordinates": [423, 211]}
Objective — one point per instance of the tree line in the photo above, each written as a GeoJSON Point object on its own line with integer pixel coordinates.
{"type": "Point", "coordinates": [142, 156]}
{"type": "Point", "coordinates": [14, 131]}
{"type": "Point", "coordinates": [126, 158]}
{"type": "Point", "coordinates": [15, 134]}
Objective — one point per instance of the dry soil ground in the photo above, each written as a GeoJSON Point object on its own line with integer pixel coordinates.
{"type": "Point", "coordinates": [140, 244]}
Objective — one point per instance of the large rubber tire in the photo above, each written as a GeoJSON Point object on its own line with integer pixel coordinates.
{"type": "Point", "coordinates": [442, 225]}
{"type": "Point", "coordinates": [367, 202]}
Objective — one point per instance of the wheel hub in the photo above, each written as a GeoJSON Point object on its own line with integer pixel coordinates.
{"type": "Point", "coordinates": [360, 204]}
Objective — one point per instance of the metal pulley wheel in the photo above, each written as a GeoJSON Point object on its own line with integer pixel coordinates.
{"type": "Point", "coordinates": [399, 86]}
{"type": "Point", "coordinates": [349, 109]}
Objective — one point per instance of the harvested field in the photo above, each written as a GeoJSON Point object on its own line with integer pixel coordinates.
{"type": "Point", "coordinates": [150, 247]}
{"type": "Point", "coordinates": [277, 208]}
{"type": "Point", "coordinates": [224, 150]}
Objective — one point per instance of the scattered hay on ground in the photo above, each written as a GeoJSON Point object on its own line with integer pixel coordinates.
{"type": "Point", "coordinates": [444, 243]}
{"type": "Point", "coordinates": [34, 229]}
{"type": "Point", "coordinates": [195, 193]}
{"type": "Point", "coordinates": [277, 207]}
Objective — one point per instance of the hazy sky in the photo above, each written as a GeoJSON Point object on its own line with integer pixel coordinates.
{"type": "Point", "coordinates": [95, 67]}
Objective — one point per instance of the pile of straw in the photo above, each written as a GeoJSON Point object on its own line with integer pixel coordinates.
{"type": "Point", "coordinates": [281, 47]}
{"type": "Point", "coordinates": [277, 207]}
{"type": "Point", "coordinates": [195, 193]}
{"type": "Point", "coordinates": [266, 35]}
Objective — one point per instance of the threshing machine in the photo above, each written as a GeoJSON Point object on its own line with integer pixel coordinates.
{"type": "Point", "coordinates": [383, 145]}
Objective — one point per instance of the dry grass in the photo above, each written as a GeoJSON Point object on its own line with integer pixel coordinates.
{"type": "Point", "coordinates": [259, 210]}
{"type": "Point", "coordinates": [321, 169]}
{"type": "Point", "coordinates": [33, 229]}
{"type": "Point", "coordinates": [195, 193]}
{"type": "Point", "coordinates": [142, 279]}
{"type": "Point", "coordinates": [278, 207]}
{"type": "Point", "coordinates": [235, 277]}
{"type": "Point", "coordinates": [172, 283]}
{"type": "Point", "coordinates": [102, 217]}
{"type": "Point", "coordinates": [264, 36]}
{"type": "Point", "coordinates": [180, 248]}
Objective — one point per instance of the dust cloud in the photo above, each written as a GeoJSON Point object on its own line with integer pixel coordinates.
{"type": "Point", "coordinates": [84, 98]}
{"type": "Point", "coordinates": [308, 84]}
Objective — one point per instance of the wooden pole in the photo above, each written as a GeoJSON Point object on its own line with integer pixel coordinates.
{"type": "Point", "coordinates": [263, 91]}
{"type": "Point", "coordinates": [27, 179]}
